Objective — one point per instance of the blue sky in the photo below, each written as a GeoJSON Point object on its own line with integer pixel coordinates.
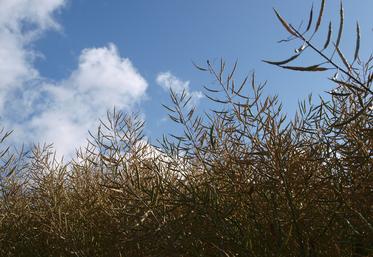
{"type": "Point", "coordinates": [69, 61]}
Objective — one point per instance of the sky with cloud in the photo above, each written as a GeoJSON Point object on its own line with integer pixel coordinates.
{"type": "Point", "coordinates": [65, 63]}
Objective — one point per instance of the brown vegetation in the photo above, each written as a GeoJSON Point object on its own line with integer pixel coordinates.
{"type": "Point", "coordinates": [242, 181]}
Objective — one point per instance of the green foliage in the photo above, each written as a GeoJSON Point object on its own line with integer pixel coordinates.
{"type": "Point", "coordinates": [240, 181]}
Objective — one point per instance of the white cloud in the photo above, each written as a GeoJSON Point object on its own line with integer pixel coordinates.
{"type": "Point", "coordinates": [57, 112]}
{"type": "Point", "coordinates": [105, 79]}
{"type": "Point", "coordinates": [62, 113]}
{"type": "Point", "coordinates": [102, 80]}
{"type": "Point", "coordinates": [21, 22]}
{"type": "Point", "coordinates": [168, 81]}
{"type": "Point", "coordinates": [27, 18]}
{"type": "Point", "coordinates": [16, 68]}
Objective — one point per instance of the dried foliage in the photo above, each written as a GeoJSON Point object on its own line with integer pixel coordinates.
{"type": "Point", "coordinates": [242, 180]}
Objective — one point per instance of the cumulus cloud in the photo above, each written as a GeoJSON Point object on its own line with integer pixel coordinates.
{"type": "Point", "coordinates": [59, 112]}
{"type": "Point", "coordinates": [106, 78]}
{"type": "Point", "coordinates": [70, 108]}
{"type": "Point", "coordinates": [37, 15]}
{"type": "Point", "coordinates": [21, 22]}
{"type": "Point", "coordinates": [169, 81]}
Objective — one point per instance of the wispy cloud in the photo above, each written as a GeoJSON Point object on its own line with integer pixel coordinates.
{"type": "Point", "coordinates": [59, 112]}
{"type": "Point", "coordinates": [169, 81]}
